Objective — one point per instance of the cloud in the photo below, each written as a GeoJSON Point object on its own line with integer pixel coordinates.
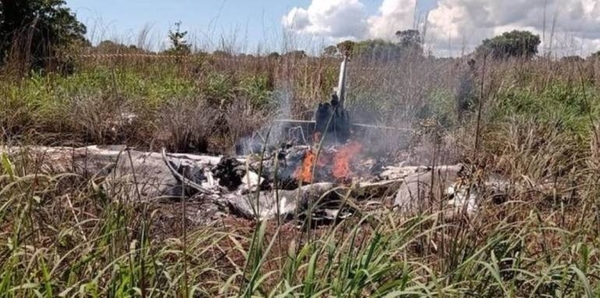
{"type": "Point", "coordinates": [464, 23]}
{"type": "Point", "coordinates": [393, 15]}
{"type": "Point", "coordinates": [329, 18]}
{"type": "Point", "coordinates": [457, 26]}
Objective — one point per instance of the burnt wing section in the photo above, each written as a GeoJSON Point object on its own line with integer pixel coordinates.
{"type": "Point", "coordinates": [333, 121]}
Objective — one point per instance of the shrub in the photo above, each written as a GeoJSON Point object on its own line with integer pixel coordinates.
{"type": "Point", "coordinates": [31, 31]}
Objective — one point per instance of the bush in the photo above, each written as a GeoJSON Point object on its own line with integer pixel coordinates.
{"type": "Point", "coordinates": [521, 44]}
{"type": "Point", "coordinates": [32, 31]}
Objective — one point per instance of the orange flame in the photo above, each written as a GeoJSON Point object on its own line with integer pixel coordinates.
{"type": "Point", "coordinates": [304, 173]}
{"type": "Point", "coordinates": [339, 161]}
{"type": "Point", "coordinates": [342, 159]}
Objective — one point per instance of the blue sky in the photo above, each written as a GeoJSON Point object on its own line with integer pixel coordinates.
{"type": "Point", "coordinates": [248, 22]}
{"type": "Point", "coordinates": [454, 27]}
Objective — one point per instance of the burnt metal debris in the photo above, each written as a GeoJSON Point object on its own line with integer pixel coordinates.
{"type": "Point", "coordinates": [332, 121]}
{"type": "Point", "coordinates": [230, 172]}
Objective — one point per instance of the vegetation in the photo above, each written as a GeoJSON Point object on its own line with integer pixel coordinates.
{"type": "Point", "coordinates": [410, 41]}
{"type": "Point", "coordinates": [63, 236]}
{"type": "Point", "coordinates": [179, 45]}
{"type": "Point", "coordinates": [516, 43]}
{"type": "Point", "coordinates": [409, 46]}
{"type": "Point", "coordinates": [33, 30]}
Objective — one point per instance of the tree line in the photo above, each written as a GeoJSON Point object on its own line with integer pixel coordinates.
{"type": "Point", "coordinates": [409, 43]}
{"type": "Point", "coordinates": [33, 30]}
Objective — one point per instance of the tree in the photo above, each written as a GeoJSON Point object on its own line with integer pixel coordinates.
{"type": "Point", "coordinates": [221, 54]}
{"type": "Point", "coordinates": [377, 50]}
{"type": "Point", "coordinates": [273, 55]}
{"type": "Point", "coordinates": [346, 47]}
{"type": "Point", "coordinates": [410, 41]}
{"type": "Point", "coordinates": [330, 51]}
{"type": "Point", "coordinates": [111, 47]}
{"type": "Point", "coordinates": [409, 44]}
{"type": "Point", "coordinates": [522, 44]}
{"type": "Point", "coordinates": [33, 30]}
{"type": "Point", "coordinates": [179, 45]}
{"type": "Point", "coordinates": [572, 59]}
{"type": "Point", "coordinates": [296, 54]}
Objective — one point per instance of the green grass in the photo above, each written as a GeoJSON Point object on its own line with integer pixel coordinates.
{"type": "Point", "coordinates": [63, 236]}
{"type": "Point", "coordinates": [84, 107]}
{"type": "Point", "coordinates": [75, 242]}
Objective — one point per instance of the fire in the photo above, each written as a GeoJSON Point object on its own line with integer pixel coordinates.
{"type": "Point", "coordinates": [338, 162]}
{"type": "Point", "coordinates": [341, 160]}
{"type": "Point", "coordinates": [304, 173]}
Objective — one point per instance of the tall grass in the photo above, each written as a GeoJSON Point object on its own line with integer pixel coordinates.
{"type": "Point", "coordinates": [63, 235]}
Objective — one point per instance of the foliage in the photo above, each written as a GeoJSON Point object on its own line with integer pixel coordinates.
{"type": "Point", "coordinates": [330, 51]}
{"type": "Point", "coordinates": [33, 30]}
{"type": "Point", "coordinates": [570, 107]}
{"type": "Point", "coordinates": [257, 89]}
{"type": "Point", "coordinates": [295, 54]}
{"type": "Point", "coordinates": [376, 49]}
{"type": "Point", "coordinates": [409, 45]}
{"type": "Point", "coordinates": [274, 55]}
{"type": "Point", "coordinates": [410, 41]}
{"type": "Point", "coordinates": [346, 47]}
{"type": "Point", "coordinates": [86, 104]}
{"type": "Point", "coordinates": [179, 45]}
{"type": "Point", "coordinates": [522, 44]}
{"type": "Point", "coordinates": [440, 107]}
{"type": "Point", "coordinates": [221, 54]}
{"type": "Point", "coordinates": [575, 59]}
{"type": "Point", "coordinates": [109, 46]}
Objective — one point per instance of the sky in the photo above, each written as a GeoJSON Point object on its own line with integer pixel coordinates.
{"type": "Point", "coordinates": [452, 27]}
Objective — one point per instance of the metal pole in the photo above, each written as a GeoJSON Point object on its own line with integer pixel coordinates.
{"type": "Point", "coordinates": [341, 89]}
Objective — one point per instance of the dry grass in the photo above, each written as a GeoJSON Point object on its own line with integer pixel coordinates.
{"type": "Point", "coordinates": [63, 236]}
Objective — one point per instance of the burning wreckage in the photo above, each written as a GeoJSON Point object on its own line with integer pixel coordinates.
{"type": "Point", "coordinates": [328, 177]}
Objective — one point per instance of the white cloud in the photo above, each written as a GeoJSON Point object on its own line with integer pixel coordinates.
{"type": "Point", "coordinates": [393, 15]}
{"type": "Point", "coordinates": [329, 18]}
{"type": "Point", "coordinates": [457, 23]}
{"type": "Point", "coordinates": [455, 26]}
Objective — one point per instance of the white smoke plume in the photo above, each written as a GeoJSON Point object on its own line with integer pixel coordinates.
{"type": "Point", "coordinates": [454, 27]}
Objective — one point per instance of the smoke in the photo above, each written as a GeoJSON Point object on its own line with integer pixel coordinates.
{"type": "Point", "coordinates": [283, 96]}
{"type": "Point", "coordinates": [272, 133]}
{"type": "Point", "coordinates": [455, 26]}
